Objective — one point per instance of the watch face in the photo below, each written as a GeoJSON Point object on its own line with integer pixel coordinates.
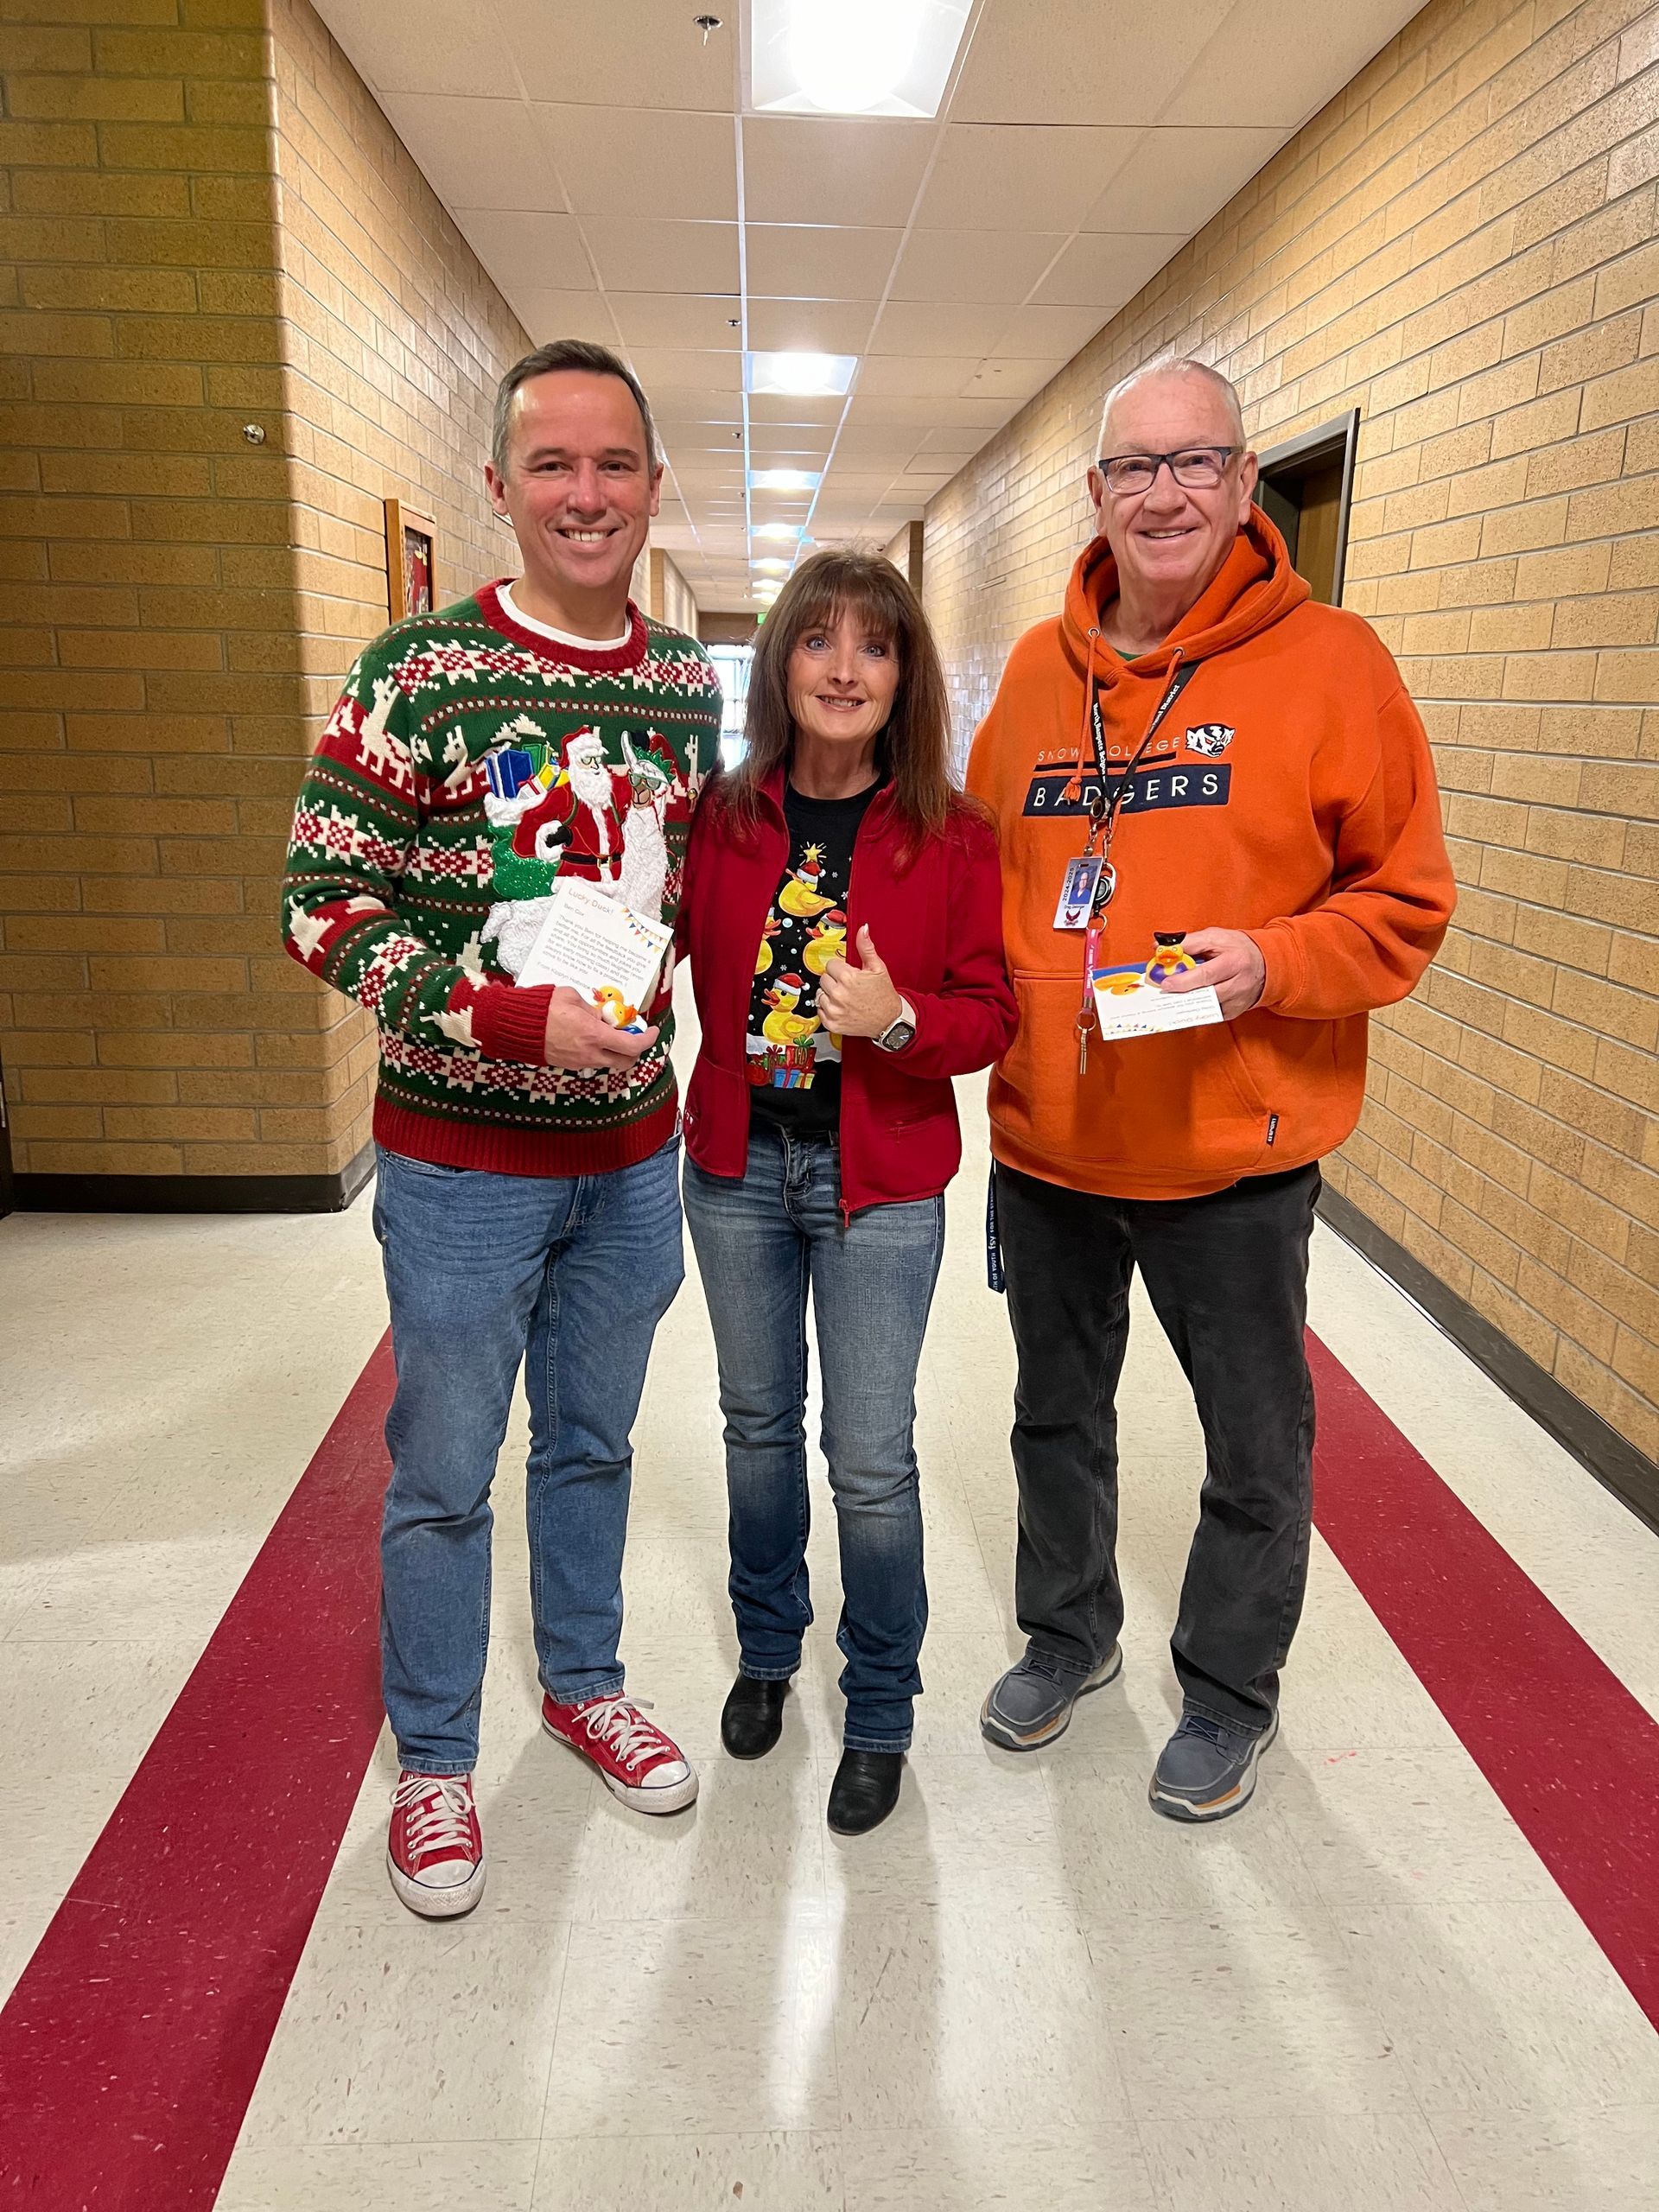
{"type": "Point", "coordinates": [898, 1037]}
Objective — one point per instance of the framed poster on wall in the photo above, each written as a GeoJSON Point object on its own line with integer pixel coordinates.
{"type": "Point", "coordinates": [411, 560]}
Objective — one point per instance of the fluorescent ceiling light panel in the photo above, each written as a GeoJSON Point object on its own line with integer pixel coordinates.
{"type": "Point", "coordinates": [853, 57]}
{"type": "Point", "coordinates": [800, 376]}
{"type": "Point", "coordinates": [771, 568]}
{"type": "Point", "coordinates": [784, 480]}
{"type": "Point", "coordinates": [790, 531]}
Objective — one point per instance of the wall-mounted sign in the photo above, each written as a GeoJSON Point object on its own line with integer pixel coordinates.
{"type": "Point", "coordinates": [411, 561]}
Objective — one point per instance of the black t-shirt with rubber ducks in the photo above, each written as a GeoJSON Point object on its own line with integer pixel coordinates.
{"type": "Point", "coordinates": [794, 1064]}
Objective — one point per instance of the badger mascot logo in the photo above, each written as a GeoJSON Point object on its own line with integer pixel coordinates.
{"type": "Point", "coordinates": [1210, 739]}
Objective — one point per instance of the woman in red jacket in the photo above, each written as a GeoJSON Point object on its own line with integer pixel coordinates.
{"type": "Point", "coordinates": [843, 918]}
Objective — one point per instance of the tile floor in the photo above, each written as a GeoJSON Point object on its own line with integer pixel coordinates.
{"type": "Point", "coordinates": [1025, 1991]}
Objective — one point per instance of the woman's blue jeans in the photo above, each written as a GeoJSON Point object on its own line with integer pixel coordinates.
{"type": "Point", "coordinates": [760, 1243]}
{"type": "Point", "coordinates": [571, 1275]}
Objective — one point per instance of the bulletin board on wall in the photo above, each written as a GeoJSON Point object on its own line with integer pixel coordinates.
{"type": "Point", "coordinates": [411, 561]}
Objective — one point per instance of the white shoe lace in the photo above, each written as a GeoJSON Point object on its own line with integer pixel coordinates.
{"type": "Point", "coordinates": [618, 1722]}
{"type": "Point", "coordinates": [439, 1807]}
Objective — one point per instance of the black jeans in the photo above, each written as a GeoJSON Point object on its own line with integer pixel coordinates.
{"type": "Point", "coordinates": [1227, 1275]}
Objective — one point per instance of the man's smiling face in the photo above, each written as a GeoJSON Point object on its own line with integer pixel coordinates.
{"type": "Point", "coordinates": [579, 489]}
{"type": "Point", "coordinates": [1168, 541]}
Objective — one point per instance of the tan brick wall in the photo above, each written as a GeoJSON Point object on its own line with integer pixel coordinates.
{"type": "Point", "coordinates": [179, 605]}
{"type": "Point", "coordinates": [394, 342]}
{"type": "Point", "coordinates": [1462, 244]}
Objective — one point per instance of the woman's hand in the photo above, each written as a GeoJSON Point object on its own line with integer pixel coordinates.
{"type": "Point", "coordinates": [861, 1001]}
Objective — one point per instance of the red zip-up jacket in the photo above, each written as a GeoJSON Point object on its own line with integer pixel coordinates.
{"type": "Point", "coordinates": [937, 923]}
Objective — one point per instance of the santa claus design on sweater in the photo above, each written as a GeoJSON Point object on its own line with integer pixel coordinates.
{"type": "Point", "coordinates": [565, 809]}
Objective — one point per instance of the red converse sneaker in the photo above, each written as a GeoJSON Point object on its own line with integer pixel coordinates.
{"type": "Point", "coordinates": [434, 1853]}
{"type": "Point", "coordinates": [638, 1763]}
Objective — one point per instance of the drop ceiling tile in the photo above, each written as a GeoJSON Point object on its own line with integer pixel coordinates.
{"type": "Point", "coordinates": [915, 376]}
{"type": "Point", "coordinates": [1015, 380]}
{"type": "Point", "coordinates": [547, 316]}
{"type": "Point", "coordinates": [889, 408]}
{"type": "Point", "coordinates": [973, 267]}
{"type": "Point", "coordinates": [1182, 177]}
{"type": "Point", "coordinates": [1316, 49]}
{"type": "Point", "coordinates": [423, 46]}
{"type": "Point", "coordinates": [788, 445]}
{"type": "Point", "coordinates": [525, 253]}
{"type": "Point", "coordinates": [1008, 176]}
{"type": "Point", "coordinates": [722, 411]}
{"type": "Point", "coordinates": [666, 370]}
{"type": "Point", "coordinates": [1032, 331]}
{"type": "Point", "coordinates": [1100, 272]}
{"type": "Point", "coordinates": [699, 321]}
{"type": "Point", "coordinates": [476, 153]}
{"type": "Point", "coordinates": [1069, 61]}
{"type": "Point", "coordinates": [641, 254]}
{"type": "Point", "coordinates": [799, 261]}
{"type": "Point", "coordinates": [811, 326]}
{"type": "Point", "coordinates": [783, 407]}
{"type": "Point", "coordinates": [587, 51]}
{"type": "Point", "coordinates": [841, 170]}
{"type": "Point", "coordinates": [629, 161]}
{"type": "Point", "coordinates": [914, 326]}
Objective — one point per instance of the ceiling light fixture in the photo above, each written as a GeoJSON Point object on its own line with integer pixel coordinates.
{"type": "Point", "coordinates": [800, 376]}
{"type": "Point", "coordinates": [769, 567]}
{"type": "Point", "coordinates": [853, 57]}
{"type": "Point", "coordinates": [790, 531]}
{"type": "Point", "coordinates": [784, 480]}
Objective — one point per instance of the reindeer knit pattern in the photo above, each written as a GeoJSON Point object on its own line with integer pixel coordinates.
{"type": "Point", "coordinates": [469, 764]}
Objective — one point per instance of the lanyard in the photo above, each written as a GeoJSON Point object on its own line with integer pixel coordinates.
{"type": "Point", "coordinates": [1103, 811]}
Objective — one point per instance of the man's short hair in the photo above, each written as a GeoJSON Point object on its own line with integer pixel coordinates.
{"type": "Point", "coordinates": [1172, 366]}
{"type": "Point", "coordinates": [566, 353]}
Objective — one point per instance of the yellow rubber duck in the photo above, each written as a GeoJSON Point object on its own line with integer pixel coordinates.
{"type": "Point", "coordinates": [800, 896]}
{"type": "Point", "coordinates": [763, 958]}
{"type": "Point", "coordinates": [828, 942]}
{"type": "Point", "coordinates": [783, 1026]}
{"type": "Point", "coordinates": [613, 1008]}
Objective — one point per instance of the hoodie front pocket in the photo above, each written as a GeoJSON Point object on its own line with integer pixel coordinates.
{"type": "Point", "coordinates": [1179, 1107]}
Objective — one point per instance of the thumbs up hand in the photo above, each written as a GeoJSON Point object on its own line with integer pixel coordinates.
{"type": "Point", "coordinates": [861, 1002]}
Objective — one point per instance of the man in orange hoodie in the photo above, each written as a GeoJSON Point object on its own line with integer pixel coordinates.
{"type": "Point", "coordinates": [1245, 765]}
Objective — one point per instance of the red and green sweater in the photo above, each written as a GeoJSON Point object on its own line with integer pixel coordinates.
{"type": "Point", "coordinates": [469, 763]}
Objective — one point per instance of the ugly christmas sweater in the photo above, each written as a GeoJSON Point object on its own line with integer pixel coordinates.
{"type": "Point", "coordinates": [469, 764]}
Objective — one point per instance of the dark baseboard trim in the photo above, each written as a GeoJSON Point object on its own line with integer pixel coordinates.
{"type": "Point", "coordinates": [1614, 1462]}
{"type": "Point", "coordinates": [194, 1193]}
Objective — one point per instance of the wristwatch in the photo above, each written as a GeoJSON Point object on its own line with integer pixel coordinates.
{"type": "Point", "coordinates": [898, 1034]}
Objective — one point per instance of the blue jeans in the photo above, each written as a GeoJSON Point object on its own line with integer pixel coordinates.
{"type": "Point", "coordinates": [571, 1274]}
{"type": "Point", "coordinates": [759, 1243]}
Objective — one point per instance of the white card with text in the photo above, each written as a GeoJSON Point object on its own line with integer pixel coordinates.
{"type": "Point", "coordinates": [601, 949]}
{"type": "Point", "coordinates": [1127, 1005]}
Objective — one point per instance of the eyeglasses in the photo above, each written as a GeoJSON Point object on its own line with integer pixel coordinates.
{"type": "Point", "coordinates": [1195, 468]}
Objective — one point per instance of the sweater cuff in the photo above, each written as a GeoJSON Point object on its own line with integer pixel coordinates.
{"type": "Point", "coordinates": [510, 1024]}
{"type": "Point", "coordinates": [1285, 968]}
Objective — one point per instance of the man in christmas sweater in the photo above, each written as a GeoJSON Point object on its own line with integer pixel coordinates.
{"type": "Point", "coordinates": [527, 1199]}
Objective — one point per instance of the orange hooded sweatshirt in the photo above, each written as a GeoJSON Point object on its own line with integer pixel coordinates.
{"type": "Point", "coordinates": [1289, 792]}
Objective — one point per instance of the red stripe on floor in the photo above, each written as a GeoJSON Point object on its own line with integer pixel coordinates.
{"type": "Point", "coordinates": [130, 2046]}
{"type": "Point", "coordinates": [1572, 1754]}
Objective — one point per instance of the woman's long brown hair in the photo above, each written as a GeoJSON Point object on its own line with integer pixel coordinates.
{"type": "Point", "coordinates": [913, 751]}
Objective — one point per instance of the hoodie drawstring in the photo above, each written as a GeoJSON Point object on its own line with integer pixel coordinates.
{"type": "Point", "coordinates": [1073, 790]}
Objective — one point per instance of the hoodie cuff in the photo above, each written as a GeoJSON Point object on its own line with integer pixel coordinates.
{"type": "Point", "coordinates": [1287, 970]}
{"type": "Point", "coordinates": [510, 1024]}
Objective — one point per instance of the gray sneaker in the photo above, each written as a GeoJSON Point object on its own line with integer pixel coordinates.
{"type": "Point", "coordinates": [1031, 1704]}
{"type": "Point", "coordinates": [1208, 1769]}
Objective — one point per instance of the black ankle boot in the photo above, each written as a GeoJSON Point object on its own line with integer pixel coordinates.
{"type": "Point", "coordinates": [753, 1718]}
{"type": "Point", "coordinates": [865, 1791]}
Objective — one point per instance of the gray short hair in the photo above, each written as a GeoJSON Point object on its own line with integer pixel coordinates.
{"type": "Point", "coordinates": [566, 353]}
{"type": "Point", "coordinates": [1182, 364]}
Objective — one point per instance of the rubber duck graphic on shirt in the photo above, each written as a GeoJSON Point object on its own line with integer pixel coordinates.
{"type": "Point", "coordinates": [805, 930]}
{"type": "Point", "coordinates": [801, 895]}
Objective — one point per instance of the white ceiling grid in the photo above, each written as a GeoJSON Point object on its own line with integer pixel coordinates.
{"type": "Point", "coordinates": [596, 155]}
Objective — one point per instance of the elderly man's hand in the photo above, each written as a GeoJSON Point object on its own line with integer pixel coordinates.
{"type": "Point", "coordinates": [1229, 961]}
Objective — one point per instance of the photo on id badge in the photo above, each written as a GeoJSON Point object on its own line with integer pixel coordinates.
{"type": "Point", "coordinates": [1077, 892]}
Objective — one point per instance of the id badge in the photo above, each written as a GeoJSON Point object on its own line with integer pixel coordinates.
{"type": "Point", "coordinates": [1077, 892]}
